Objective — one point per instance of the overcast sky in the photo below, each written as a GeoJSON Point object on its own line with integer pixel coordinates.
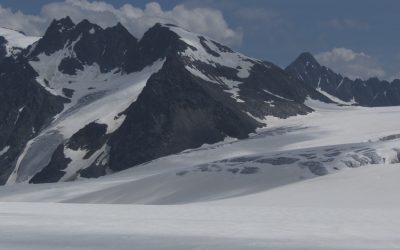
{"type": "Point", "coordinates": [359, 38]}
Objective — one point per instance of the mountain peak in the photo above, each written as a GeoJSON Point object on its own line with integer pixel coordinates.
{"type": "Point", "coordinates": [307, 69]}
{"type": "Point", "coordinates": [65, 22]}
{"type": "Point", "coordinates": [119, 28]}
{"type": "Point", "coordinates": [86, 25]}
{"type": "Point", "coordinates": [158, 30]}
{"type": "Point", "coordinates": [307, 58]}
{"type": "Point", "coordinates": [304, 63]}
{"type": "Point", "coordinates": [55, 36]}
{"type": "Point", "coordinates": [156, 43]}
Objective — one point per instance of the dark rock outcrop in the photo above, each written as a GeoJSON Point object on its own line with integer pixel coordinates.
{"type": "Point", "coordinates": [25, 107]}
{"type": "Point", "coordinates": [174, 112]}
{"type": "Point", "coordinates": [3, 49]}
{"type": "Point", "coordinates": [90, 138]}
{"type": "Point", "coordinates": [53, 172]}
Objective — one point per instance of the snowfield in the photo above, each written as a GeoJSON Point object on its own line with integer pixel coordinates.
{"type": "Point", "coordinates": [354, 209]}
{"type": "Point", "coordinates": [16, 40]}
{"type": "Point", "coordinates": [328, 180]}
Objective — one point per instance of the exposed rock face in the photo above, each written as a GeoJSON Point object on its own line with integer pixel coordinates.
{"type": "Point", "coordinates": [3, 49]}
{"type": "Point", "coordinates": [372, 92]}
{"type": "Point", "coordinates": [54, 171]}
{"type": "Point", "coordinates": [174, 112]}
{"type": "Point", "coordinates": [91, 44]}
{"type": "Point", "coordinates": [88, 139]}
{"type": "Point", "coordinates": [25, 107]}
{"type": "Point", "coordinates": [178, 110]}
{"type": "Point", "coordinates": [156, 43]}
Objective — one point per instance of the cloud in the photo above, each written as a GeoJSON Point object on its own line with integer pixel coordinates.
{"type": "Point", "coordinates": [19, 21]}
{"type": "Point", "coordinates": [207, 21]}
{"type": "Point", "coordinates": [351, 64]}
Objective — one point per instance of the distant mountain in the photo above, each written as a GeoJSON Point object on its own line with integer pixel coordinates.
{"type": "Point", "coordinates": [372, 92]}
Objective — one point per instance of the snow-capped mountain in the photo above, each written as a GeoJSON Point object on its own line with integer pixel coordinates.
{"type": "Point", "coordinates": [107, 101]}
{"type": "Point", "coordinates": [84, 101]}
{"type": "Point", "coordinates": [372, 92]}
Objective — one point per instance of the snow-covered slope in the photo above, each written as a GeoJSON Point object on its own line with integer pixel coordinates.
{"type": "Point", "coordinates": [266, 224]}
{"type": "Point", "coordinates": [259, 193]}
{"type": "Point", "coordinates": [329, 141]}
{"type": "Point", "coordinates": [355, 208]}
{"type": "Point", "coordinates": [16, 40]}
{"type": "Point", "coordinates": [367, 187]}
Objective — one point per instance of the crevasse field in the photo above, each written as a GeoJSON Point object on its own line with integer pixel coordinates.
{"type": "Point", "coordinates": [328, 180]}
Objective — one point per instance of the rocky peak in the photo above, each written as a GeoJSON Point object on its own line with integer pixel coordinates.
{"type": "Point", "coordinates": [63, 23]}
{"type": "Point", "coordinates": [156, 43]}
{"type": "Point", "coordinates": [307, 69]}
{"type": "Point", "coordinates": [307, 58]}
{"type": "Point", "coordinates": [86, 26]}
{"type": "Point", "coordinates": [55, 37]}
{"type": "Point", "coordinates": [85, 44]}
{"type": "Point", "coordinates": [371, 92]}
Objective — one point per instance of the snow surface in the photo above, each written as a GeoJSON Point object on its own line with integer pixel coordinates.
{"type": "Point", "coordinates": [354, 209]}
{"type": "Point", "coordinates": [357, 188]}
{"type": "Point", "coordinates": [16, 39]}
{"type": "Point", "coordinates": [336, 136]}
{"type": "Point", "coordinates": [265, 192]}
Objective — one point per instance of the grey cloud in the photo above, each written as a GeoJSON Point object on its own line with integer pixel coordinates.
{"type": "Point", "coordinates": [351, 64]}
{"type": "Point", "coordinates": [29, 24]}
{"type": "Point", "coordinates": [205, 21]}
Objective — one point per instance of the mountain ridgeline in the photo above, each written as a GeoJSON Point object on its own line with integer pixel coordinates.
{"type": "Point", "coordinates": [371, 93]}
{"type": "Point", "coordinates": [85, 101]}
